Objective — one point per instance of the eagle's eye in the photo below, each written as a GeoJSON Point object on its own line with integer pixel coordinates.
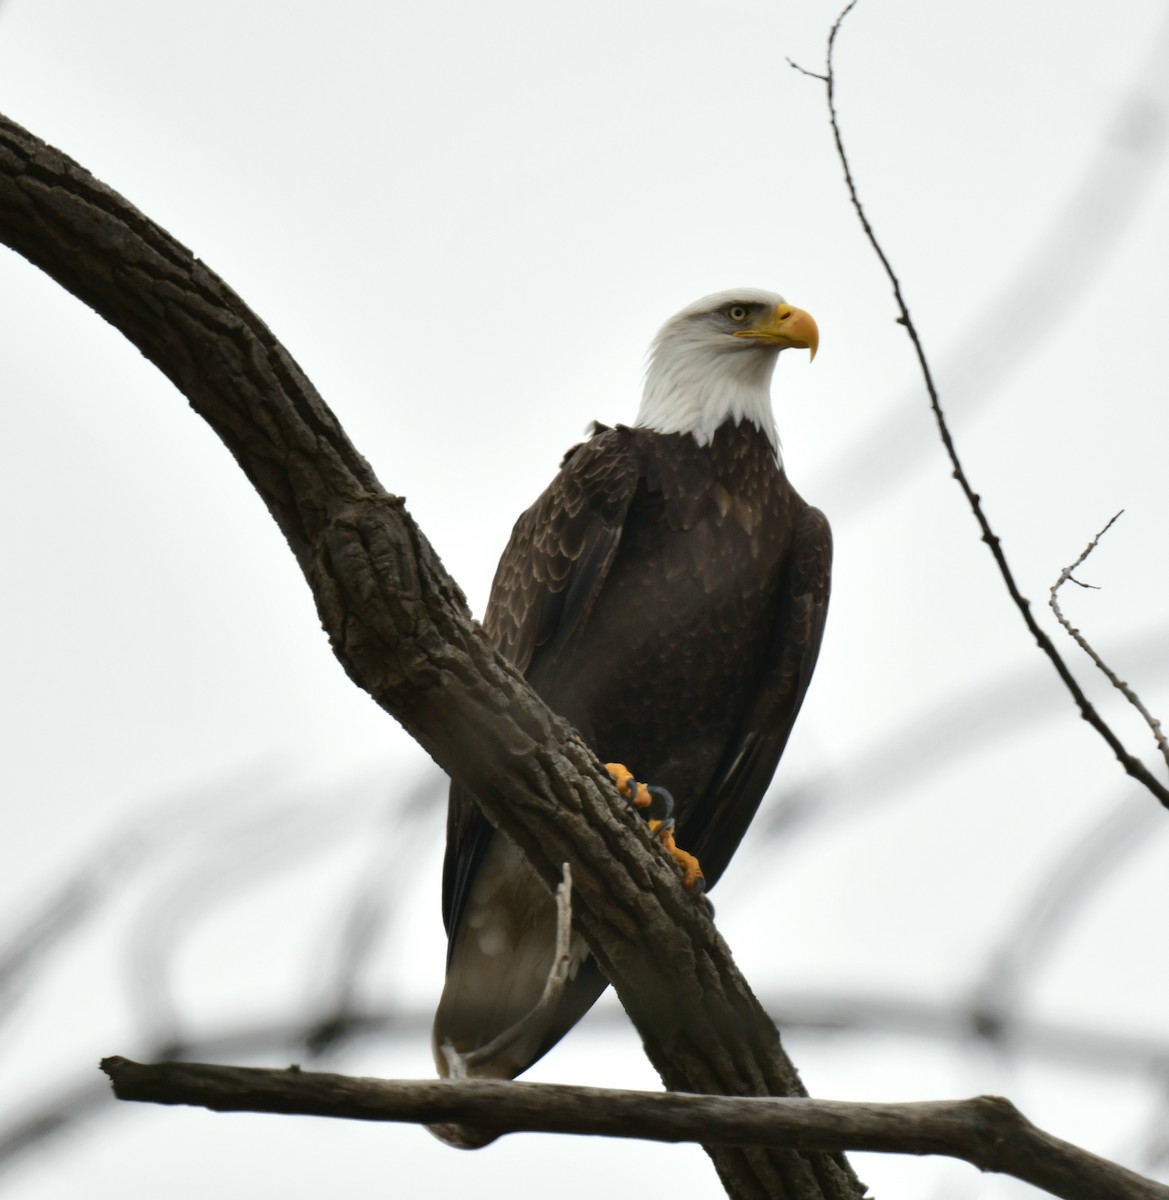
{"type": "Point", "coordinates": [737, 313]}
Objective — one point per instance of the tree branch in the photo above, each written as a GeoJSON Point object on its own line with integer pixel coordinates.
{"type": "Point", "coordinates": [1083, 643]}
{"type": "Point", "coordinates": [64, 1107]}
{"type": "Point", "coordinates": [1131, 763]}
{"type": "Point", "coordinates": [401, 629]}
{"type": "Point", "coordinates": [988, 1132]}
{"type": "Point", "coordinates": [458, 1064]}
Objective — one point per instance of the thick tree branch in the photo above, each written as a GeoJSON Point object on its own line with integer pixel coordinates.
{"type": "Point", "coordinates": [400, 627]}
{"type": "Point", "coordinates": [1131, 763]}
{"type": "Point", "coordinates": [988, 1132]}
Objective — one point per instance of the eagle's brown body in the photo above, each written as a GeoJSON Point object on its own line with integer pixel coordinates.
{"type": "Point", "coordinates": [668, 599]}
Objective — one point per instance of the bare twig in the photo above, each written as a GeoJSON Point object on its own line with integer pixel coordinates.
{"type": "Point", "coordinates": [986, 1131]}
{"type": "Point", "coordinates": [1132, 764]}
{"type": "Point", "coordinates": [804, 71]}
{"type": "Point", "coordinates": [460, 1065]}
{"type": "Point", "coordinates": [1046, 283]}
{"type": "Point", "coordinates": [1082, 642]}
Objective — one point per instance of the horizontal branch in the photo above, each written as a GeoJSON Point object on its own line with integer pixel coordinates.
{"type": "Point", "coordinates": [987, 1131]}
{"type": "Point", "coordinates": [65, 1107]}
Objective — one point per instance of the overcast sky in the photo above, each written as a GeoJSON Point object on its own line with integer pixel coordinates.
{"type": "Point", "coordinates": [466, 221]}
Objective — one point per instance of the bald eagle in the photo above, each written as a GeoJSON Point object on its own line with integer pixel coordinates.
{"type": "Point", "coordinates": [666, 595]}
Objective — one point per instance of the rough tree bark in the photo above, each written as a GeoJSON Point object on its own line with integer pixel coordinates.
{"type": "Point", "coordinates": [400, 627]}
{"type": "Point", "coordinates": [987, 1131]}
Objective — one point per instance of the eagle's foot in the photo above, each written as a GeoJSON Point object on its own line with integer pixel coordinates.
{"type": "Point", "coordinates": [636, 793]}
{"type": "Point", "coordinates": [658, 807]}
{"type": "Point", "coordinates": [692, 875]}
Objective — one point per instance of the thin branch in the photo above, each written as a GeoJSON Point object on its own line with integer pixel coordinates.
{"type": "Point", "coordinates": [988, 1132]}
{"type": "Point", "coordinates": [460, 1064]}
{"type": "Point", "coordinates": [804, 71]}
{"type": "Point", "coordinates": [1133, 765]}
{"type": "Point", "coordinates": [1082, 642]}
{"type": "Point", "coordinates": [1046, 283]}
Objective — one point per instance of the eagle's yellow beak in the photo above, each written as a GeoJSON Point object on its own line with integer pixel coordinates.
{"type": "Point", "coordinates": [787, 326]}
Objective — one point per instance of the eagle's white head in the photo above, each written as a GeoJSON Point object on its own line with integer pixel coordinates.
{"type": "Point", "coordinates": [712, 363]}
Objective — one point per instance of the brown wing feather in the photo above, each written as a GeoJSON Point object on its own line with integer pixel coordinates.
{"type": "Point", "coordinates": [561, 548]}
{"type": "Point", "coordinates": [551, 572]}
{"type": "Point", "coordinates": [717, 823]}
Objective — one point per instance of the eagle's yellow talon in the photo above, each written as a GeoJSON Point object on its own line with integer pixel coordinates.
{"type": "Point", "coordinates": [623, 778]}
{"type": "Point", "coordinates": [691, 869]}
{"type": "Point", "coordinates": [663, 830]}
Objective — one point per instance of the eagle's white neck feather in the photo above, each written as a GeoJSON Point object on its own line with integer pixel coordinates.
{"type": "Point", "coordinates": [698, 378]}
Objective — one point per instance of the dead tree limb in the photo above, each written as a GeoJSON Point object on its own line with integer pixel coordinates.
{"type": "Point", "coordinates": [987, 1131]}
{"type": "Point", "coordinates": [400, 627]}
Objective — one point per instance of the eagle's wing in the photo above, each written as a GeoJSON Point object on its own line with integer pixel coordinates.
{"type": "Point", "coordinates": [548, 579]}
{"type": "Point", "coordinates": [716, 824]}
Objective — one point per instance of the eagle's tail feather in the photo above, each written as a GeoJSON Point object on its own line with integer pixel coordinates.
{"type": "Point", "coordinates": [491, 1022]}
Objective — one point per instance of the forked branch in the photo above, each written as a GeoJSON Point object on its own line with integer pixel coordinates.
{"type": "Point", "coordinates": [1127, 692]}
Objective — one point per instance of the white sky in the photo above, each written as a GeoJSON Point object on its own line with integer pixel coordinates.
{"type": "Point", "coordinates": [466, 221]}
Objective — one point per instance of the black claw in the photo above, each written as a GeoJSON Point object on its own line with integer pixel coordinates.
{"type": "Point", "coordinates": [666, 815]}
